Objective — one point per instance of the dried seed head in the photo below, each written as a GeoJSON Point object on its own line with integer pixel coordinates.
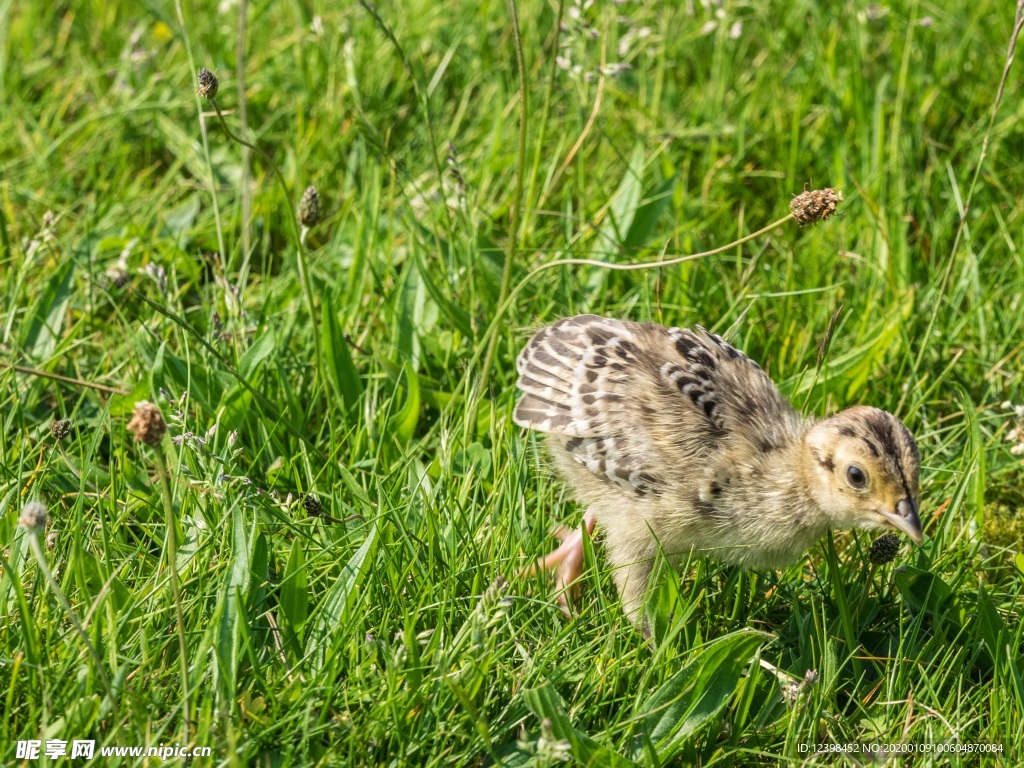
{"type": "Point", "coordinates": [790, 693]}
{"type": "Point", "coordinates": [312, 505]}
{"type": "Point", "coordinates": [309, 207]}
{"type": "Point", "coordinates": [33, 516]}
{"type": "Point", "coordinates": [60, 428]}
{"type": "Point", "coordinates": [148, 423]}
{"type": "Point", "coordinates": [815, 205]}
{"type": "Point", "coordinates": [456, 169]}
{"type": "Point", "coordinates": [208, 84]}
{"type": "Point", "coordinates": [118, 277]}
{"type": "Point", "coordinates": [884, 549]}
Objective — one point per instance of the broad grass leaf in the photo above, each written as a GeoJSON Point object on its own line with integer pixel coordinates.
{"type": "Point", "coordinates": [646, 217]}
{"type": "Point", "coordinates": [626, 201]}
{"type": "Point", "coordinates": [329, 614]}
{"type": "Point", "coordinates": [456, 316]}
{"type": "Point", "coordinates": [990, 625]}
{"type": "Point", "coordinates": [491, 263]}
{"type": "Point", "coordinates": [47, 313]}
{"type": "Point", "coordinates": [230, 615]}
{"type": "Point", "coordinates": [924, 592]}
{"type": "Point", "coordinates": [699, 691]}
{"type": "Point", "coordinates": [236, 408]}
{"type": "Point", "coordinates": [546, 704]}
{"type": "Point", "coordinates": [241, 552]}
{"type": "Point", "coordinates": [259, 571]}
{"type": "Point", "coordinates": [261, 349]}
{"type": "Point", "coordinates": [230, 609]}
{"type": "Point", "coordinates": [341, 370]}
{"type": "Point", "coordinates": [295, 590]}
{"type": "Point", "coordinates": [621, 212]}
{"type": "Point", "coordinates": [189, 545]}
{"type": "Point", "coordinates": [411, 299]}
{"type": "Point", "coordinates": [178, 221]}
{"type": "Point", "coordinates": [403, 424]}
{"type": "Point", "coordinates": [976, 487]}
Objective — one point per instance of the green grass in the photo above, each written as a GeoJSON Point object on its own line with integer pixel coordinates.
{"type": "Point", "coordinates": [377, 633]}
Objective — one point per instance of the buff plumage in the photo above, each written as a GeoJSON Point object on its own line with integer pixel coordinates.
{"type": "Point", "coordinates": [676, 440]}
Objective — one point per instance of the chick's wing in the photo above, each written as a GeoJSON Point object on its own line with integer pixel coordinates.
{"type": "Point", "coordinates": [641, 405]}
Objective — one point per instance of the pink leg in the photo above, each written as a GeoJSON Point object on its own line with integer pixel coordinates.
{"type": "Point", "coordinates": [567, 559]}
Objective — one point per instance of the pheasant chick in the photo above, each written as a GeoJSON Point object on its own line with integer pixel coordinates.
{"type": "Point", "coordinates": [676, 440]}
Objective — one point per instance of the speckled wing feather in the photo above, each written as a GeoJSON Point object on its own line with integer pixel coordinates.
{"type": "Point", "coordinates": [627, 399]}
{"type": "Point", "coordinates": [739, 399]}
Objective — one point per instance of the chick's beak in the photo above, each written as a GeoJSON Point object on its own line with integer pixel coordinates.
{"type": "Point", "coordinates": [905, 519]}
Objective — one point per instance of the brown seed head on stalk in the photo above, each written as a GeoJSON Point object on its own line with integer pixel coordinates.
{"type": "Point", "coordinates": [312, 505]}
{"type": "Point", "coordinates": [309, 207]}
{"type": "Point", "coordinates": [60, 428]}
{"type": "Point", "coordinates": [33, 516]}
{"type": "Point", "coordinates": [884, 549]}
{"type": "Point", "coordinates": [207, 84]}
{"type": "Point", "coordinates": [815, 205]}
{"type": "Point", "coordinates": [148, 423]}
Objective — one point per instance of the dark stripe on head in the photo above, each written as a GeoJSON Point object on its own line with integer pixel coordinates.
{"type": "Point", "coordinates": [882, 425]}
{"type": "Point", "coordinates": [827, 463]}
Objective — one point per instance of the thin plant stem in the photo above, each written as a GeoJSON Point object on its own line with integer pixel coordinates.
{"type": "Point", "coordinates": [44, 568]}
{"type": "Point", "coordinates": [545, 109]}
{"type": "Point", "coordinates": [664, 262]}
{"type": "Point", "coordinates": [293, 218]}
{"type": "Point", "coordinates": [422, 96]}
{"type": "Point", "coordinates": [206, 144]}
{"type": "Point", "coordinates": [243, 121]}
{"type": "Point", "coordinates": [594, 112]}
{"type": "Point", "coordinates": [5, 238]}
{"type": "Point", "coordinates": [937, 307]}
{"type": "Point", "coordinates": [63, 379]}
{"type": "Point", "coordinates": [517, 200]}
{"type": "Point", "coordinates": [514, 293]}
{"type": "Point", "coordinates": [171, 524]}
{"type": "Point", "coordinates": [269, 407]}
{"type": "Point", "coordinates": [841, 602]}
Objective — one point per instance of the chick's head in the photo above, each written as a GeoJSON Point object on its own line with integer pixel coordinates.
{"type": "Point", "coordinates": [863, 469]}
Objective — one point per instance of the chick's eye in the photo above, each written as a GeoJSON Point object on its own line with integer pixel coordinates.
{"type": "Point", "coordinates": [856, 477]}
